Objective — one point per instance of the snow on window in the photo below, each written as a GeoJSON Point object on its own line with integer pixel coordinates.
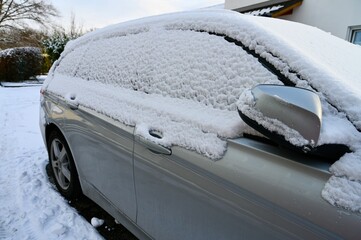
{"type": "Point", "coordinates": [179, 64]}
{"type": "Point", "coordinates": [182, 83]}
{"type": "Point", "coordinates": [158, 67]}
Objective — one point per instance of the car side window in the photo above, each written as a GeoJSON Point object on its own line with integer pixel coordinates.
{"type": "Point", "coordinates": [214, 72]}
{"type": "Point", "coordinates": [68, 65]}
{"type": "Point", "coordinates": [182, 83]}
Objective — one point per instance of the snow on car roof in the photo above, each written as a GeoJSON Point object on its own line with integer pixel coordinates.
{"type": "Point", "coordinates": [307, 56]}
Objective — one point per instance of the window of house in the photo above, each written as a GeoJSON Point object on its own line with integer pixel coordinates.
{"type": "Point", "coordinates": [356, 38]}
{"type": "Point", "coordinates": [354, 34]}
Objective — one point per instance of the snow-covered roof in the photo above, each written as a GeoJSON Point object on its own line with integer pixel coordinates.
{"type": "Point", "coordinates": [189, 89]}
{"type": "Point", "coordinates": [270, 8]}
{"type": "Point", "coordinates": [264, 11]}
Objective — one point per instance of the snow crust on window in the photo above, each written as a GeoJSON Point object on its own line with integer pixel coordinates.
{"type": "Point", "coordinates": [184, 84]}
{"type": "Point", "coordinates": [171, 75]}
{"type": "Point", "coordinates": [179, 64]}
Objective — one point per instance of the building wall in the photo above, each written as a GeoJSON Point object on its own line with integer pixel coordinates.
{"type": "Point", "coordinates": [334, 16]}
{"type": "Point", "coordinates": [234, 4]}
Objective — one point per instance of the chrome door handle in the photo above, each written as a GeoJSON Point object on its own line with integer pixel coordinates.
{"type": "Point", "coordinates": [153, 147]}
{"type": "Point", "coordinates": [72, 105]}
{"type": "Point", "coordinates": [71, 102]}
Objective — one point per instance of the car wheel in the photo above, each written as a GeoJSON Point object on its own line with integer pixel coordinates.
{"type": "Point", "coordinates": [62, 166]}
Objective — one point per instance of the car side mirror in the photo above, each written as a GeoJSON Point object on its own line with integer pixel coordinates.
{"type": "Point", "coordinates": [286, 115]}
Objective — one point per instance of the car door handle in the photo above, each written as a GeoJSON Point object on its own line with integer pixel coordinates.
{"type": "Point", "coordinates": [71, 102]}
{"type": "Point", "coordinates": [72, 105]}
{"type": "Point", "coordinates": [153, 147]}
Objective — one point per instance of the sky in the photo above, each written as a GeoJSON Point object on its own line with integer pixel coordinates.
{"type": "Point", "coordinates": [99, 13]}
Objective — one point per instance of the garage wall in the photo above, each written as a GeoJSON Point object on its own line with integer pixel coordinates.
{"type": "Point", "coordinates": [234, 4]}
{"type": "Point", "coordinates": [334, 16]}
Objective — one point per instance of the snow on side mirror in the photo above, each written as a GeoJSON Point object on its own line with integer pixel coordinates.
{"type": "Point", "coordinates": [286, 115]}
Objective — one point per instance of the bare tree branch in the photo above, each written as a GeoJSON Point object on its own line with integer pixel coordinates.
{"type": "Point", "coordinates": [14, 37]}
{"type": "Point", "coordinates": [15, 13]}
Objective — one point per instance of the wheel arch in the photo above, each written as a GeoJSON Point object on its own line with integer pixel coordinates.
{"type": "Point", "coordinates": [49, 128]}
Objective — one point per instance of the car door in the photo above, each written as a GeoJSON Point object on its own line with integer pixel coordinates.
{"type": "Point", "coordinates": [102, 147]}
{"type": "Point", "coordinates": [253, 192]}
{"type": "Point", "coordinates": [179, 199]}
{"type": "Point", "coordinates": [102, 150]}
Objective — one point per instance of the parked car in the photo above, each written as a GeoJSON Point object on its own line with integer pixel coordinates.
{"type": "Point", "coordinates": [210, 125]}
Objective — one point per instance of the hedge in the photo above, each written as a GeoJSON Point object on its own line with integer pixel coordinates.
{"type": "Point", "coordinates": [19, 64]}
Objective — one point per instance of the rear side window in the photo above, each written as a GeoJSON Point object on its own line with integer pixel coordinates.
{"type": "Point", "coordinates": [70, 63]}
{"type": "Point", "coordinates": [180, 64]}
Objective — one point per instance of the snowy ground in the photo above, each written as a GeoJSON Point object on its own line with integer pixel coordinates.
{"type": "Point", "coordinates": [29, 206]}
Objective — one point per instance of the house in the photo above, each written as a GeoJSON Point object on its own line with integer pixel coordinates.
{"type": "Point", "coordinates": [339, 17]}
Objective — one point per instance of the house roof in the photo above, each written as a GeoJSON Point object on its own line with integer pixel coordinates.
{"type": "Point", "coordinates": [271, 8]}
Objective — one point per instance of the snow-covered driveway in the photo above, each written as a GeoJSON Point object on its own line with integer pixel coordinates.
{"type": "Point", "coordinates": [29, 206]}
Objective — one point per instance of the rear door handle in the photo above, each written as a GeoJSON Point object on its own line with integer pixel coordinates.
{"type": "Point", "coordinates": [72, 105]}
{"type": "Point", "coordinates": [71, 102]}
{"type": "Point", "coordinates": [153, 147]}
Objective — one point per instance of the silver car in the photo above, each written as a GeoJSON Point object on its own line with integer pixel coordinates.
{"type": "Point", "coordinates": [206, 125]}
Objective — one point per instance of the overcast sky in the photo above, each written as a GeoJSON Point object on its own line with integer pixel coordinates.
{"type": "Point", "coordinates": [100, 13]}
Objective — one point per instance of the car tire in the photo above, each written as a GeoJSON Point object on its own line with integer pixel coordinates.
{"type": "Point", "coordinates": [62, 166]}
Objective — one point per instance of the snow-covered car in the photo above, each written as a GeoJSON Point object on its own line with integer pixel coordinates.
{"type": "Point", "coordinates": [210, 125]}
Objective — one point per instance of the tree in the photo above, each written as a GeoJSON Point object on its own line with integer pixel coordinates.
{"type": "Point", "coordinates": [18, 64]}
{"type": "Point", "coordinates": [10, 38]}
{"type": "Point", "coordinates": [16, 13]}
{"type": "Point", "coordinates": [55, 43]}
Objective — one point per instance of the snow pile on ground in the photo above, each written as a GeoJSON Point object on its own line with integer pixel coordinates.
{"type": "Point", "coordinates": [29, 206]}
{"type": "Point", "coordinates": [154, 56]}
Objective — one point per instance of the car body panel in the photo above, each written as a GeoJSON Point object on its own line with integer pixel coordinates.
{"type": "Point", "coordinates": [255, 191]}
{"type": "Point", "coordinates": [186, 193]}
{"type": "Point", "coordinates": [103, 152]}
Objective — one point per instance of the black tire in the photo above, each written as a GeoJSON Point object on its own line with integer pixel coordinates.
{"type": "Point", "coordinates": [62, 166]}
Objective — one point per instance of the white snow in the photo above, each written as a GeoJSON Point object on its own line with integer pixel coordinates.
{"type": "Point", "coordinates": [153, 60]}
{"type": "Point", "coordinates": [18, 84]}
{"type": "Point", "coordinates": [13, 51]}
{"type": "Point", "coordinates": [189, 93]}
{"type": "Point", "coordinates": [262, 11]}
{"type": "Point", "coordinates": [96, 222]}
{"type": "Point", "coordinates": [30, 208]}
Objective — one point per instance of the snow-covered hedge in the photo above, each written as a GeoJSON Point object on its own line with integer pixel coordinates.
{"type": "Point", "coordinates": [18, 64]}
